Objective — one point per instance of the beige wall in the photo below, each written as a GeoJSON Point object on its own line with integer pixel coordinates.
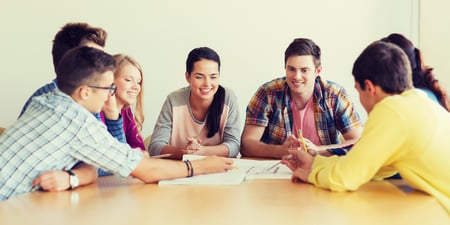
{"type": "Point", "coordinates": [435, 38]}
{"type": "Point", "coordinates": [250, 37]}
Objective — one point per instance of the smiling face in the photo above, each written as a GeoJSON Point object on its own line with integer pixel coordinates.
{"type": "Point", "coordinates": [204, 80]}
{"type": "Point", "coordinates": [301, 74]}
{"type": "Point", "coordinates": [128, 81]}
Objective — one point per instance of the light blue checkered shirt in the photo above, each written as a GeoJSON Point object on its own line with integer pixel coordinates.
{"type": "Point", "coordinates": [55, 133]}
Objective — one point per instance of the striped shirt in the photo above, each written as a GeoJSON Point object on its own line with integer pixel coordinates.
{"type": "Point", "coordinates": [270, 107]}
{"type": "Point", "coordinates": [54, 133]}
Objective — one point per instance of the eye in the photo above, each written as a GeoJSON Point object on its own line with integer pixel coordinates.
{"type": "Point", "coordinates": [305, 70]}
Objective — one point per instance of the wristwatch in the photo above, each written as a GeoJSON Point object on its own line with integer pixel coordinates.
{"type": "Point", "coordinates": [73, 180]}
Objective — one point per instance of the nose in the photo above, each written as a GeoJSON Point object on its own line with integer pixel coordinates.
{"type": "Point", "coordinates": [298, 73]}
{"type": "Point", "coordinates": [207, 81]}
{"type": "Point", "coordinates": [136, 86]}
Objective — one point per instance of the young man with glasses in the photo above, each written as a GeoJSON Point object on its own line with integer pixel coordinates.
{"type": "Point", "coordinates": [57, 131]}
{"type": "Point", "coordinates": [70, 36]}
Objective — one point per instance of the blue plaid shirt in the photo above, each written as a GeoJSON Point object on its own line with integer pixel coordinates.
{"type": "Point", "coordinates": [55, 133]}
{"type": "Point", "coordinates": [115, 127]}
{"type": "Point", "coordinates": [270, 107]}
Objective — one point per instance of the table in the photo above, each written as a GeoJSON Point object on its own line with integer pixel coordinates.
{"type": "Point", "coordinates": [130, 202]}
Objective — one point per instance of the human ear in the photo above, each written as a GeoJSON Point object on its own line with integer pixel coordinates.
{"type": "Point", "coordinates": [318, 70]}
{"type": "Point", "coordinates": [83, 92]}
{"type": "Point", "coordinates": [187, 76]}
{"type": "Point", "coordinates": [370, 87]}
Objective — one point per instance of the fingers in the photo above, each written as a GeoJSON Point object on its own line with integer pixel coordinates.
{"type": "Point", "coordinates": [312, 152]}
{"type": "Point", "coordinates": [228, 163]}
{"type": "Point", "coordinates": [296, 152]}
{"type": "Point", "coordinates": [36, 181]}
{"type": "Point", "coordinates": [289, 164]}
{"type": "Point", "coordinates": [52, 181]}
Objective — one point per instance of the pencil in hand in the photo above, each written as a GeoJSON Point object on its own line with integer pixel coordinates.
{"type": "Point", "coordinates": [303, 140]}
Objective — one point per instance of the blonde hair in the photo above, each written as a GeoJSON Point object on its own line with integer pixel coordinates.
{"type": "Point", "coordinates": [137, 108]}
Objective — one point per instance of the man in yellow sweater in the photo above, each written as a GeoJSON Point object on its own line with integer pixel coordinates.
{"type": "Point", "coordinates": [405, 132]}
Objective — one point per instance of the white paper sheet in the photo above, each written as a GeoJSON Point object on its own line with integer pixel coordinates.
{"type": "Point", "coordinates": [246, 170]}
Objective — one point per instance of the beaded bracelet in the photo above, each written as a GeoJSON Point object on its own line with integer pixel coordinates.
{"type": "Point", "coordinates": [188, 167]}
{"type": "Point", "coordinates": [192, 169]}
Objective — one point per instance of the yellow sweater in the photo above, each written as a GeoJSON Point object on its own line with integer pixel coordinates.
{"type": "Point", "coordinates": [407, 133]}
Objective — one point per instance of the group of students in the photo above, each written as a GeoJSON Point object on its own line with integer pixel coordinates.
{"type": "Point", "coordinates": [56, 143]}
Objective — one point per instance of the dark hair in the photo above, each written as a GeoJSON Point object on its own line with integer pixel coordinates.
{"type": "Point", "coordinates": [81, 65]}
{"type": "Point", "coordinates": [303, 46]}
{"type": "Point", "coordinates": [73, 35]}
{"type": "Point", "coordinates": [385, 65]}
{"type": "Point", "coordinates": [422, 76]}
{"type": "Point", "coordinates": [216, 107]}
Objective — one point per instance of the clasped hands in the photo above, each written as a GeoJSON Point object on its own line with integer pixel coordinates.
{"type": "Point", "coordinates": [192, 146]}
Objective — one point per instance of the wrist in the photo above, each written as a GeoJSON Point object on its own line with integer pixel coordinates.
{"type": "Point", "coordinates": [74, 182]}
{"type": "Point", "coordinates": [280, 151]}
{"type": "Point", "coordinates": [111, 115]}
{"type": "Point", "coordinates": [325, 152]}
{"type": "Point", "coordinates": [189, 168]}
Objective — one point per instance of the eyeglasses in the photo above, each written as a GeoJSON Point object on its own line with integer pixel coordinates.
{"type": "Point", "coordinates": [111, 89]}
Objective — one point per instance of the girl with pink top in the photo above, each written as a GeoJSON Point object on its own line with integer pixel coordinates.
{"type": "Point", "coordinates": [128, 79]}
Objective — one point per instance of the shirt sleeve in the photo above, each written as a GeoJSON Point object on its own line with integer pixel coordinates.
{"type": "Point", "coordinates": [115, 128]}
{"type": "Point", "coordinates": [258, 109]}
{"type": "Point", "coordinates": [368, 158]}
{"type": "Point", "coordinates": [97, 147]}
{"type": "Point", "coordinates": [346, 116]}
{"type": "Point", "coordinates": [133, 137]}
{"type": "Point", "coordinates": [162, 130]}
{"type": "Point", "coordinates": [232, 130]}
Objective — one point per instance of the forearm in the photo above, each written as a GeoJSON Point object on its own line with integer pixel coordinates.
{"type": "Point", "coordinates": [219, 150]}
{"type": "Point", "coordinates": [176, 152]}
{"type": "Point", "coordinates": [255, 148]}
{"type": "Point", "coordinates": [115, 128]}
{"type": "Point", "coordinates": [350, 138]}
{"type": "Point", "coordinates": [153, 170]}
{"type": "Point", "coordinates": [86, 173]}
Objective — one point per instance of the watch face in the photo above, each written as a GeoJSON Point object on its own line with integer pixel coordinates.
{"type": "Point", "coordinates": [74, 182]}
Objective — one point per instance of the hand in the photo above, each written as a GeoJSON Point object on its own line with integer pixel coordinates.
{"type": "Point", "coordinates": [145, 154]}
{"type": "Point", "coordinates": [110, 108]}
{"type": "Point", "coordinates": [311, 148]}
{"type": "Point", "coordinates": [291, 142]}
{"type": "Point", "coordinates": [300, 163]}
{"type": "Point", "coordinates": [56, 180]}
{"type": "Point", "coordinates": [212, 164]}
{"type": "Point", "coordinates": [193, 144]}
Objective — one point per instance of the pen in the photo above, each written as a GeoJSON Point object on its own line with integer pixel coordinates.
{"type": "Point", "coordinates": [303, 140]}
{"type": "Point", "coordinates": [161, 156]}
{"type": "Point", "coordinates": [276, 164]}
